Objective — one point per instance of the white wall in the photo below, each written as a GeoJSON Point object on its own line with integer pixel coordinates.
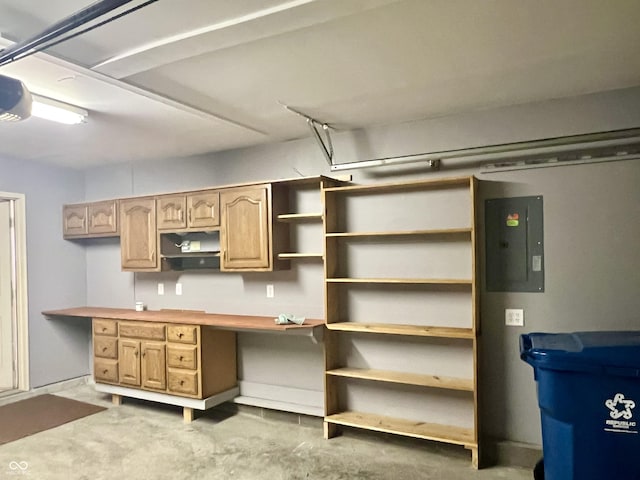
{"type": "Point", "coordinates": [590, 240]}
{"type": "Point", "coordinates": [56, 269]}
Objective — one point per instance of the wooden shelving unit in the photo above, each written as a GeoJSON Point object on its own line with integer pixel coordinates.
{"type": "Point", "coordinates": [425, 307]}
{"type": "Point", "coordinates": [298, 217]}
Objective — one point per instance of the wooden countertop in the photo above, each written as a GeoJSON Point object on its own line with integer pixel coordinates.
{"type": "Point", "coordinates": [231, 322]}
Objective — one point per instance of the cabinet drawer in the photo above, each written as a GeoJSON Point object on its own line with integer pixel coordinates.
{"type": "Point", "coordinates": [105, 370]}
{"type": "Point", "coordinates": [103, 326]}
{"type": "Point", "coordinates": [105, 347]}
{"type": "Point", "coordinates": [182, 333]}
{"type": "Point", "coordinates": [151, 331]}
{"type": "Point", "coordinates": [184, 382]}
{"type": "Point", "coordinates": [182, 357]}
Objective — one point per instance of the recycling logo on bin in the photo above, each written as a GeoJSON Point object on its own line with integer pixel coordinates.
{"type": "Point", "coordinates": [620, 411]}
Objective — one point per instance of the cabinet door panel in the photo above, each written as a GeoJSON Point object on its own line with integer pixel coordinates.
{"type": "Point", "coordinates": [171, 212]}
{"type": "Point", "coordinates": [182, 357]}
{"type": "Point", "coordinates": [105, 347]}
{"type": "Point", "coordinates": [103, 217]}
{"type": "Point", "coordinates": [105, 370]}
{"type": "Point", "coordinates": [184, 382]}
{"type": "Point", "coordinates": [153, 366]}
{"type": "Point", "coordinates": [74, 220]}
{"type": "Point", "coordinates": [203, 209]}
{"type": "Point", "coordinates": [244, 234]}
{"type": "Point", "coordinates": [129, 362]}
{"type": "Point", "coordinates": [138, 234]}
{"type": "Point", "coordinates": [182, 333]}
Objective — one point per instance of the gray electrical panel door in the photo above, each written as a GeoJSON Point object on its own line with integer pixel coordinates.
{"type": "Point", "coordinates": [514, 244]}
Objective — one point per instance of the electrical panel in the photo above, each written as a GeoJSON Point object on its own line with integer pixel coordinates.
{"type": "Point", "coordinates": [514, 244]}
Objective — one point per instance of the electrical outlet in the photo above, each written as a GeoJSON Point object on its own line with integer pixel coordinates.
{"type": "Point", "coordinates": [270, 292]}
{"type": "Point", "coordinates": [514, 317]}
{"type": "Point", "coordinates": [160, 288]}
{"type": "Point", "coordinates": [178, 289]}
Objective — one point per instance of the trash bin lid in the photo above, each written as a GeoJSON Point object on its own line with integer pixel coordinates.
{"type": "Point", "coordinates": [597, 352]}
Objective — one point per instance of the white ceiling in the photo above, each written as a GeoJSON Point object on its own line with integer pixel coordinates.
{"type": "Point", "coordinates": [185, 77]}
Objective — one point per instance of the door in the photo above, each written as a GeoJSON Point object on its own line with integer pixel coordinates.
{"type": "Point", "coordinates": [7, 380]}
{"type": "Point", "coordinates": [154, 366]}
{"type": "Point", "coordinates": [203, 209]}
{"type": "Point", "coordinates": [138, 238]}
{"type": "Point", "coordinates": [129, 362]}
{"type": "Point", "coordinates": [244, 234]}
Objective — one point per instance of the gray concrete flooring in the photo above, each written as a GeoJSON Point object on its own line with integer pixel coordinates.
{"type": "Point", "coordinates": [140, 440]}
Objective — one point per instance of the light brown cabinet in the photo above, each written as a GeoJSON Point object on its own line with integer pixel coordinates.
{"type": "Point", "coordinates": [245, 229]}
{"type": "Point", "coordinates": [183, 360]}
{"type": "Point", "coordinates": [88, 220]}
{"type": "Point", "coordinates": [138, 239]}
{"type": "Point", "coordinates": [199, 210]}
{"type": "Point", "coordinates": [105, 350]}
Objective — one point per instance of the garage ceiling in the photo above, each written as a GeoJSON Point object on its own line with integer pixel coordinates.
{"type": "Point", "coordinates": [186, 77]}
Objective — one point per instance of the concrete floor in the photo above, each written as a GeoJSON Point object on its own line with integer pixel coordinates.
{"type": "Point", "coordinates": [140, 440]}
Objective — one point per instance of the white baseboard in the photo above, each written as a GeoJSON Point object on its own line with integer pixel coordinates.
{"type": "Point", "coordinates": [16, 396]}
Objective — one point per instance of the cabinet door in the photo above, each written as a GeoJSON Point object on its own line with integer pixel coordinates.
{"type": "Point", "coordinates": [244, 234]}
{"type": "Point", "coordinates": [74, 220]}
{"type": "Point", "coordinates": [171, 212]}
{"type": "Point", "coordinates": [154, 366]}
{"type": "Point", "coordinates": [203, 210]}
{"type": "Point", "coordinates": [103, 217]}
{"type": "Point", "coordinates": [138, 237]}
{"type": "Point", "coordinates": [129, 360]}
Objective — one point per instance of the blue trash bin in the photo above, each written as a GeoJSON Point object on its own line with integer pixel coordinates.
{"type": "Point", "coordinates": [589, 397]}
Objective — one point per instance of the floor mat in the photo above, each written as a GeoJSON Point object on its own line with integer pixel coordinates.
{"type": "Point", "coordinates": [37, 414]}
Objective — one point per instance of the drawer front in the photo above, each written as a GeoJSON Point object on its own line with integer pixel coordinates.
{"type": "Point", "coordinates": [182, 357]}
{"type": "Point", "coordinates": [105, 370]}
{"type": "Point", "coordinates": [183, 382]}
{"type": "Point", "coordinates": [103, 326]}
{"type": "Point", "coordinates": [105, 347]}
{"type": "Point", "coordinates": [182, 334]}
{"type": "Point", "coordinates": [151, 331]}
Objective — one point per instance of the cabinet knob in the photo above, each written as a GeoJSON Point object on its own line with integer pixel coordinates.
{"type": "Point", "coordinates": [105, 372]}
{"type": "Point", "coordinates": [181, 358]}
{"type": "Point", "coordinates": [180, 335]}
{"type": "Point", "coordinates": [104, 329]}
{"type": "Point", "coordinates": [181, 382]}
{"type": "Point", "coordinates": [104, 349]}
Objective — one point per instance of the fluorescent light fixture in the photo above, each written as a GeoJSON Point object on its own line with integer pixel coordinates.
{"type": "Point", "coordinates": [57, 111]}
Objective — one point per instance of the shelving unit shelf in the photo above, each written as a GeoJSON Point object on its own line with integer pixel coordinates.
{"type": "Point", "coordinates": [298, 217]}
{"type": "Point", "coordinates": [420, 301]}
{"type": "Point", "coordinates": [400, 329]}
{"type": "Point", "coordinates": [434, 381]}
{"type": "Point", "coordinates": [408, 428]}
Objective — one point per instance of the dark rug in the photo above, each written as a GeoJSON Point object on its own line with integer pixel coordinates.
{"type": "Point", "coordinates": [37, 414]}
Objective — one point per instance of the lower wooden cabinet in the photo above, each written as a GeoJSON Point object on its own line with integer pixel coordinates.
{"type": "Point", "coordinates": [183, 360]}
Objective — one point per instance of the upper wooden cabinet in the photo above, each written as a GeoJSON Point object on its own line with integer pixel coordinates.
{"type": "Point", "coordinates": [245, 228]}
{"type": "Point", "coordinates": [87, 220]}
{"type": "Point", "coordinates": [138, 239]}
{"type": "Point", "coordinates": [172, 212]}
{"type": "Point", "coordinates": [199, 210]}
{"type": "Point", "coordinates": [203, 210]}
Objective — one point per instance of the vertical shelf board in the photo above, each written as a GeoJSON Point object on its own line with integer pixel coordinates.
{"type": "Point", "coordinates": [454, 218]}
{"type": "Point", "coordinates": [473, 187]}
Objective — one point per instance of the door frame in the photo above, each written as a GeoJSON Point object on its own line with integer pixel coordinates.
{"type": "Point", "coordinates": [19, 288]}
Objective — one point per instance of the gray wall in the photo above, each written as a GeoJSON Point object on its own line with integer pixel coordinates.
{"type": "Point", "coordinates": [56, 269]}
{"type": "Point", "coordinates": [591, 256]}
